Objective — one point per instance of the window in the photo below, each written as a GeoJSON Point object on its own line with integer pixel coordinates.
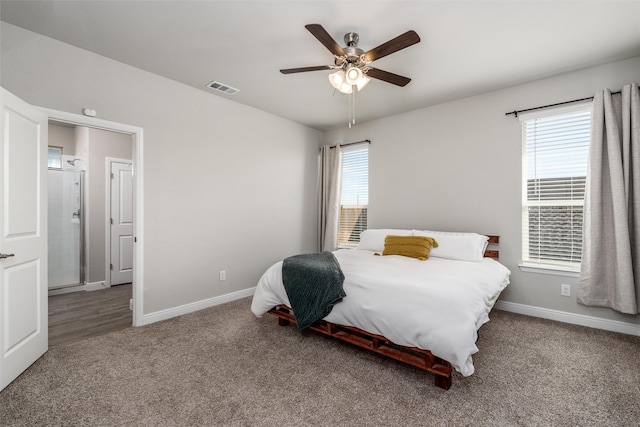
{"type": "Point", "coordinates": [555, 155]}
{"type": "Point", "coordinates": [354, 198]}
{"type": "Point", "coordinates": [54, 157]}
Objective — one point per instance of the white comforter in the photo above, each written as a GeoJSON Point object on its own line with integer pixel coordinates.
{"type": "Point", "coordinates": [437, 305]}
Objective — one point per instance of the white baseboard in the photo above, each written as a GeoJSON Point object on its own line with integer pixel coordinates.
{"type": "Point", "coordinates": [66, 290]}
{"type": "Point", "coordinates": [195, 306]}
{"type": "Point", "coordinates": [575, 319]}
{"type": "Point", "coordinates": [95, 286]}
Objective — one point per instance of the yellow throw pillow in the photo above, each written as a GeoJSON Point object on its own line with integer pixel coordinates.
{"type": "Point", "coordinates": [411, 246]}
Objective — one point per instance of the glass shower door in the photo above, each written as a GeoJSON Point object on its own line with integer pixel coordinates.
{"type": "Point", "coordinates": [66, 236]}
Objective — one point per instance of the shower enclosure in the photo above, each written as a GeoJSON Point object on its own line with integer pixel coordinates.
{"type": "Point", "coordinates": [66, 228]}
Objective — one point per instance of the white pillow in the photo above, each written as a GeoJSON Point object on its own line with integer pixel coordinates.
{"type": "Point", "coordinates": [373, 240]}
{"type": "Point", "coordinates": [457, 246]}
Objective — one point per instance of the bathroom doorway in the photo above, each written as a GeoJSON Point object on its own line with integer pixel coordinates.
{"type": "Point", "coordinates": [135, 135]}
{"type": "Point", "coordinates": [80, 185]}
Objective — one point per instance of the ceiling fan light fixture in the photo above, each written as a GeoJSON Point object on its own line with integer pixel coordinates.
{"type": "Point", "coordinates": [337, 78]}
{"type": "Point", "coordinates": [345, 88]}
{"type": "Point", "coordinates": [362, 82]}
{"type": "Point", "coordinates": [353, 74]}
{"type": "Point", "coordinates": [338, 81]}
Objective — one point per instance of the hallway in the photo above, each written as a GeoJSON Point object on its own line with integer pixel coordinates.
{"type": "Point", "coordinates": [79, 315]}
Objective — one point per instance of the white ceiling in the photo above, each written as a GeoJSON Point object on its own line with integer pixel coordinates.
{"type": "Point", "coordinates": [467, 47]}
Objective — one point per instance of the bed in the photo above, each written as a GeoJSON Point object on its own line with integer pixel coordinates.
{"type": "Point", "coordinates": [425, 313]}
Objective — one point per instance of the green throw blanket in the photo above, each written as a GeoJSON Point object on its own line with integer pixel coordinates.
{"type": "Point", "coordinates": [314, 285]}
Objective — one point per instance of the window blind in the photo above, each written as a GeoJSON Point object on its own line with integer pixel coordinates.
{"type": "Point", "coordinates": [354, 197]}
{"type": "Point", "coordinates": [556, 150]}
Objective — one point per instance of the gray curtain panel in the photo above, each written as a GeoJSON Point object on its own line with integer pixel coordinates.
{"type": "Point", "coordinates": [329, 194]}
{"type": "Point", "coordinates": [610, 272]}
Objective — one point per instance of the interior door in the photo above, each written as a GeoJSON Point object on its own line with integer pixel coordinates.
{"type": "Point", "coordinates": [121, 223]}
{"type": "Point", "coordinates": [23, 236]}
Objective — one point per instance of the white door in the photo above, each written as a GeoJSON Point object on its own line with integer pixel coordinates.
{"type": "Point", "coordinates": [23, 236]}
{"type": "Point", "coordinates": [121, 223]}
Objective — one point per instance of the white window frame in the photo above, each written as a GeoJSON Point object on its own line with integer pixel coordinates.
{"type": "Point", "coordinates": [345, 150]}
{"type": "Point", "coordinates": [57, 158]}
{"type": "Point", "coordinates": [528, 264]}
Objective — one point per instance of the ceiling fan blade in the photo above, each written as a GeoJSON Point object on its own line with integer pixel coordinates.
{"type": "Point", "coordinates": [388, 77]}
{"type": "Point", "coordinates": [321, 34]}
{"type": "Point", "coordinates": [402, 41]}
{"type": "Point", "coordinates": [304, 69]}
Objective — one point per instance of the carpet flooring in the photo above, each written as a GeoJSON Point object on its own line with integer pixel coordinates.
{"type": "Point", "coordinates": [224, 367]}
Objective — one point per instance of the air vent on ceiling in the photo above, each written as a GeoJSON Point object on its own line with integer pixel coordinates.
{"type": "Point", "coordinates": [221, 87]}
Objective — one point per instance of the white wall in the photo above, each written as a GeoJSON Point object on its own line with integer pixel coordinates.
{"type": "Point", "coordinates": [457, 166]}
{"type": "Point", "coordinates": [62, 136]}
{"type": "Point", "coordinates": [226, 187]}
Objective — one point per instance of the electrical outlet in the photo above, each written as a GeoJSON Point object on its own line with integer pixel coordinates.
{"type": "Point", "coordinates": [223, 275]}
{"type": "Point", "coordinates": [565, 290]}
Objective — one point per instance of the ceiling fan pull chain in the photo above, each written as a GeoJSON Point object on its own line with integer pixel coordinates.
{"type": "Point", "coordinates": [351, 103]}
{"type": "Point", "coordinates": [349, 110]}
{"type": "Point", "coordinates": [353, 106]}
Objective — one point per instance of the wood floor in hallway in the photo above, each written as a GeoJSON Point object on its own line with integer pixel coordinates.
{"type": "Point", "coordinates": [79, 315]}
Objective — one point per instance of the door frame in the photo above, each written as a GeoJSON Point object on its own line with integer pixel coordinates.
{"type": "Point", "coordinates": [138, 195]}
{"type": "Point", "coordinates": [107, 212]}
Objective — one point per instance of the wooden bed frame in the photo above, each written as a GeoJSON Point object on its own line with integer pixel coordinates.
{"type": "Point", "coordinates": [414, 356]}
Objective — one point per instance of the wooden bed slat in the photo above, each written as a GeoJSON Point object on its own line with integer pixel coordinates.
{"type": "Point", "coordinates": [417, 357]}
{"type": "Point", "coordinates": [492, 253]}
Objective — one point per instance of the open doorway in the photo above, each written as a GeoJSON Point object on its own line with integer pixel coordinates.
{"type": "Point", "coordinates": [98, 180]}
{"type": "Point", "coordinates": [88, 198]}
{"type": "Point", "coordinates": [81, 191]}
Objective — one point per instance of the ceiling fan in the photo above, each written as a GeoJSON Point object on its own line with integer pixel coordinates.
{"type": "Point", "coordinates": [352, 62]}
